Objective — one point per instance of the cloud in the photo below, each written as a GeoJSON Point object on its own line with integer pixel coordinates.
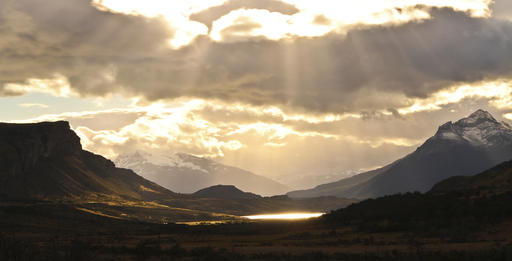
{"type": "Point", "coordinates": [499, 94]}
{"type": "Point", "coordinates": [176, 13]}
{"type": "Point", "coordinates": [208, 128]}
{"type": "Point", "coordinates": [260, 138]}
{"type": "Point", "coordinates": [508, 116]}
{"type": "Point", "coordinates": [74, 40]}
{"type": "Point", "coordinates": [318, 18]}
{"type": "Point", "coordinates": [266, 139]}
{"type": "Point", "coordinates": [57, 86]}
{"type": "Point", "coordinates": [367, 69]}
{"type": "Point", "coordinates": [212, 14]}
{"type": "Point", "coordinates": [502, 9]}
{"type": "Point", "coordinates": [281, 19]}
{"type": "Point", "coordinates": [33, 105]}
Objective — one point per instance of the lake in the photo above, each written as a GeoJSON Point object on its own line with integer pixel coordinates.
{"type": "Point", "coordinates": [285, 216]}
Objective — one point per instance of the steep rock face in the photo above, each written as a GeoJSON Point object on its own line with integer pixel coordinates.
{"type": "Point", "coordinates": [463, 148]}
{"type": "Point", "coordinates": [46, 160]}
{"type": "Point", "coordinates": [23, 146]}
{"type": "Point", "coordinates": [186, 173]}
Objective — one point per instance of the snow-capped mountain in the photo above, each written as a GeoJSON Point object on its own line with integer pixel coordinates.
{"type": "Point", "coordinates": [178, 160]}
{"type": "Point", "coordinates": [186, 173]}
{"type": "Point", "coordinates": [466, 147]}
{"type": "Point", "coordinates": [479, 129]}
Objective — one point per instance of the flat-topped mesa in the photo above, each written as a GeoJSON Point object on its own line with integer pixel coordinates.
{"type": "Point", "coordinates": [46, 161]}
{"type": "Point", "coordinates": [23, 145]}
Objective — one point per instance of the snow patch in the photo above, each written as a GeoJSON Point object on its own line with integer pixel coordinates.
{"type": "Point", "coordinates": [450, 136]}
{"type": "Point", "coordinates": [178, 160]}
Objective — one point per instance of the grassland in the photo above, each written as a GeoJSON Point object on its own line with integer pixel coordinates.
{"type": "Point", "coordinates": [63, 232]}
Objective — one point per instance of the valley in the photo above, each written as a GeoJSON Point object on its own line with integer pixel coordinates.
{"type": "Point", "coordinates": [60, 202]}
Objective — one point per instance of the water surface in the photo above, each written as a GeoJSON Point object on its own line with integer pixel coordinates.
{"type": "Point", "coordinates": [285, 216]}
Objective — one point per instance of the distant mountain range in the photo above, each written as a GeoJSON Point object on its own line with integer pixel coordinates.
{"type": "Point", "coordinates": [462, 148]}
{"type": "Point", "coordinates": [185, 173]}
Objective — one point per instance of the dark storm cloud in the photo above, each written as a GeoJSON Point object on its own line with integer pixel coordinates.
{"type": "Point", "coordinates": [368, 69]}
{"type": "Point", "coordinates": [71, 37]}
{"type": "Point", "coordinates": [502, 9]}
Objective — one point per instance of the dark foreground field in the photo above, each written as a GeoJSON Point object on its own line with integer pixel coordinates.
{"type": "Point", "coordinates": [60, 232]}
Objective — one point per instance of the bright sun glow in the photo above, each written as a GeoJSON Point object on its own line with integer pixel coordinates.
{"type": "Point", "coordinates": [314, 18]}
{"type": "Point", "coordinates": [286, 216]}
{"type": "Point", "coordinates": [177, 13]}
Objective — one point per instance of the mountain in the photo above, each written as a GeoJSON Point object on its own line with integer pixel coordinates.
{"type": "Point", "coordinates": [494, 181]}
{"type": "Point", "coordinates": [225, 192]}
{"type": "Point", "coordinates": [43, 166]}
{"type": "Point", "coordinates": [46, 160]}
{"type": "Point", "coordinates": [461, 148]}
{"type": "Point", "coordinates": [185, 173]}
{"type": "Point", "coordinates": [456, 207]}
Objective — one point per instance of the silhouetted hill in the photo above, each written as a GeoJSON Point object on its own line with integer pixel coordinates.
{"type": "Point", "coordinates": [46, 160]}
{"type": "Point", "coordinates": [458, 202]}
{"type": "Point", "coordinates": [463, 148]}
{"type": "Point", "coordinates": [493, 181]}
{"type": "Point", "coordinates": [225, 192]}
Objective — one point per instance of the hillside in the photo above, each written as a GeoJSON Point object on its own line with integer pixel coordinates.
{"type": "Point", "coordinates": [494, 181]}
{"type": "Point", "coordinates": [457, 204]}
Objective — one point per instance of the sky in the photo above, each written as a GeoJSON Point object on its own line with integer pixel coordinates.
{"type": "Point", "coordinates": [282, 88]}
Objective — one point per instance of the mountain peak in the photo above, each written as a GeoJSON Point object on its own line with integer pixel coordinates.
{"type": "Point", "coordinates": [481, 114]}
{"type": "Point", "coordinates": [478, 117]}
{"type": "Point", "coordinates": [479, 128]}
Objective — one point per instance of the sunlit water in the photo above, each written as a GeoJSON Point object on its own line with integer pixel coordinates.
{"type": "Point", "coordinates": [286, 216]}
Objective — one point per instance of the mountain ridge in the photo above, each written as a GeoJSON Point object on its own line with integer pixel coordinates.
{"type": "Point", "coordinates": [465, 147]}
